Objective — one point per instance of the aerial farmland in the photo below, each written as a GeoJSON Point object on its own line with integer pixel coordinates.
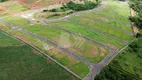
{"type": "Point", "coordinates": [55, 38]}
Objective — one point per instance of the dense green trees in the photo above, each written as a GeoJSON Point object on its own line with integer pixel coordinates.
{"type": "Point", "coordinates": [79, 7]}
{"type": "Point", "coordinates": [137, 6]}
{"type": "Point", "coordinates": [2, 0]}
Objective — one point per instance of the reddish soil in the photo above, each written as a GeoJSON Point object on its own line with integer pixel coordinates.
{"type": "Point", "coordinates": [102, 52]}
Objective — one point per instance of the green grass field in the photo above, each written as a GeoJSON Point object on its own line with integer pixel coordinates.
{"type": "Point", "coordinates": [14, 6]}
{"type": "Point", "coordinates": [54, 52]}
{"type": "Point", "coordinates": [4, 27]}
{"type": "Point", "coordinates": [90, 23]}
{"type": "Point", "coordinates": [91, 52]}
{"type": "Point", "coordinates": [115, 24]}
{"type": "Point", "coordinates": [46, 2]}
{"type": "Point", "coordinates": [7, 41]}
{"type": "Point", "coordinates": [30, 1]}
{"type": "Point", "coordinates": [20, 62]}
{"type": "Point", "coordinates": [17, 21]}
{"type": "Point", "coordinates": [88, 33]}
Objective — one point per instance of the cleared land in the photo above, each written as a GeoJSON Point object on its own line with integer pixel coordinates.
{"type": "Point", "coordinates": [54, 52]}
{"type": "Point", "coordinates": [89, 33]}
{"type": "Point", "coordinates": [92, 52]}
{"type": "Point", "coordinates": [116, 24]}
{"type": "Point", "coordinates": [29, 63]}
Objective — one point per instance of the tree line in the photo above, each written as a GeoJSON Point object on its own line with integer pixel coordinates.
{"type": "Point", "coordinates": [2, 0]}
{"type": "Point", "coordinates": [136, 5]}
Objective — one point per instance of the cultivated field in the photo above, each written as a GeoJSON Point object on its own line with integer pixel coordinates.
{"type": "Point", "coordinates": [15, 55]}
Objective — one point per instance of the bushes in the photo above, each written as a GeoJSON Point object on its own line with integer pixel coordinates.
{"type": "Point", "coordinates": [79, 7]}
{"type": "Point", "coordinates": [137, 6]}
{"type": "Point", "coordinates": [2, 0]}
{"type": "Point", "coordinates": [113, 73]}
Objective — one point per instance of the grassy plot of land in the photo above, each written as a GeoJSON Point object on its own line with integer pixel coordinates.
{"type": "Point", "coordinates": [4, 27]}
{"type": "Point", "coordinates": [21, 62]}
{"type": "Point", "coordinates": [91, 52]}
{"type": "Point", "coordinates": [3, 13]}
{"type": "Point", "coordinates": [79, 68]}
{"type": "Point", "coordinates": [90, 23]}
{"type": "Point", "coordinates": [118, 18]}
{"type": "Point", "coordinates": [29, 1]}
{"type": "Point", "coordinates": [46, 2]}
{"type": "Point", "coordinates": [17, 21]}
{"type": "Point", "coordinates": [88, 33]}
{"type": "Point", "coordinates": [54, 52]}
{"type": "Point", "coordinates": [116, 24]}
{"type": "Point", "coordinates": [7, 41]}
{"type": "Point", "coordinates": [14, 6]}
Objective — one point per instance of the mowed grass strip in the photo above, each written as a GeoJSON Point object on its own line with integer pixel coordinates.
{"type": "Point", "coordinates": [76, 44]}
{"type": "Point", "coordinates": [88, 33]}
{"type": "Point", "coordinates": [87, 22]}
{"type": "Point", "coordinates": [17, 21]}
{"type": "Point", "coordinates": [21, 62]}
